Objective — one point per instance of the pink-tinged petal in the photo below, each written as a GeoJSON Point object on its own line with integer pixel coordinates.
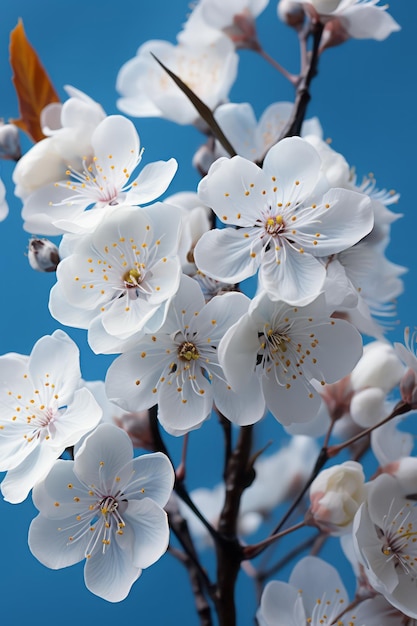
{"type": "Point", "coordinates": [20, 480]}
{"type": "Point", "coordinates": [183, 403]}
{"type": "Point", "coordinates": [48, 205]}
{"type": "Point", "coordinates": [153, 478]}
{"type": "Point", "coordinates": [61, 495]}
{"type": "Point", "coordinates": [55, 360]}
{"type": "Point", "coordinates": [132, 378]}
{"type": "Point", "coordinates": [150, 525]}
{"type": "Point", "coordinates": [152, 182]}
{"type": "Point", "coordinates": [368, 22]}
{"type": "Point", "coordinates": [237, 190]}
{"type": "Point", "coordinates": [82, 415]}
{"type": "Point", "coordinates": [111, 574]}
{"type": "Point", "coordinates": [237, 352]}
{"type": "Point", "coordinates": [51, 546]}
{"type": "Point", "coordinates": [281, 605]}
{"type": "Point", "coordinates": [343, 218]}
{"type": "Point", "coordinates": [297, 402]}
{"type": "Point", "coordinates": [116, 145]}
{"type": "Point", "coordinates": [103, 455]}
{"type": "Point", "coordinates": [242, 408]}
{"type": "Point", "coordinates": [227, 255]}
{"type": "Point", "coordinates": [297, 279]}
{"type": "Point", "coordinates": [292, 165]}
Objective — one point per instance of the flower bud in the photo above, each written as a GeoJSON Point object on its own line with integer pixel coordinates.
{"type": "Point", "coordinates": [137, 426]}
{"type": "Point", "coordinates": [367, 406]}
{"type": "Point", "coordinates": [43, 255]}
{"type": "Point", "coordinates": [335, 495]}
{"type": "Point", "coordinates": [9, 142]}
{"type": "Point", "coordinates": [408, 388]}
{"type": "Point", "coordinates": [378, 367]}
{"type": "Point", "coordinates": [291, 13]}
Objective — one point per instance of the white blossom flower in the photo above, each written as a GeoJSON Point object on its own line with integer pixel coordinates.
{"type": "Point", "coordinates": [148, 91]}
{"type": "Point", "coordinates": [285, 220]}
{"type": "Point", "coordinates": [360, 19]}
{"type": "Point", "coordinates": [4, 207]}
{"type": "Point", "coordinates": [384, 534]}
{"type": "Point", "coordinates": [177, 366]}
{"type": "Point", "coordinates": [44, 409]}
{"type": "Point", "coordinates": [118, 280]}
{"type": "Point", "coordinates": [285, 349]}
{"type": "Point", "coordinates": [106, 507]}
{"type": "Point", "coordinates": [104, 181]}
{"type": "Point", "coordinates": [69, 127]}
{"type": "Point", "coordinates": [335, 495]}
{"type": "Point", "coordinates": [316, 595]}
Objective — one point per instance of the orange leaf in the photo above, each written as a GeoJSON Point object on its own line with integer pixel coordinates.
{"type": "Point", "coordinates": [33, 86]}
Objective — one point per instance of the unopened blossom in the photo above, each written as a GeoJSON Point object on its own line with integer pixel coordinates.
{"type": "Point", "coordinates": [177, 367]}
{"type": "Point", "coordinates": [285, 348]}
{"type": "Point", "coordinates": [44, 409]}
{"type": "Point", "coordinates": [291, 13]}
{"type": "Point", "coordinates": [335, 496]}
{"type": "Point", "coordinates": [105, 507]}
{"type": "Point", "coordinates": [4, 207]}
{"type": "Point", "coordinates": [9, 142]}
{"type": "Point", "coordinates": [315, 595]}
{"type": "Point", "coordinates": [286, 218]}
{"type": "Point", "coordinates": [68, 128]}
{"type": "Point", "coordinates": [118, 280]}
{"type": "Point", "coordinates": [384, 534]}
{"type": "Point", "coordinates": [359, 19]}
{"type": "Point", "coordinates": [43, 255]}
{"type": "Point", "coordinates": [106, 180]}
{"type": "Point", "coordinates": [148, 91]}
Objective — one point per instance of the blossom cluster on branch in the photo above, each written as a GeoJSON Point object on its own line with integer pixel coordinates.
{"type": "Point", "coordinates": [159, 281]}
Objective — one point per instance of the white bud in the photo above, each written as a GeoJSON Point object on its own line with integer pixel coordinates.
{"type": "Point", "coordinates": [367, 406]}
{"type": "Point", "coordinates": [378, 367]}
{"type": "Point", "coordinates": [43, 255]}
{"type": "Point", "coordinates": [291, 13]}
{"type": "Point", "coordinates": [9, 142]}
{"type": "Point", "coordinates": [335, 495]}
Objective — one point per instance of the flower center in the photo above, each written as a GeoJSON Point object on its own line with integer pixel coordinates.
{"type": "Point", "coordinates": [400, 543]}
{"type": "Point", "coordinates": [277, 340]}
{"type": "Point", "coordinates": [108, 505]}
{"type": "Point", "coordinates": [187, 351]}
{"type": "Point", "coordinates": [132, 278]}
{"type": "Point", "coordinates": [274, 225]}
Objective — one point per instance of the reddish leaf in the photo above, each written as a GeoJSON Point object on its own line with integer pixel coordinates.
{"type": "Point", "coordinates": [33, 86]}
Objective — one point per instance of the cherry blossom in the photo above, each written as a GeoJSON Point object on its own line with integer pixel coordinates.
{"type": "Point", "coordinates": [177, 366]}
{"type": "Point", "coordinates": [286, 218]}
{"type": "Point", "coordinates": [106, 507]}
{"type": "Point", "coordinates": [358, 18]}
{"type": "Point", "coordinates": [104, 181]}
{"type": "Point", "coordinates": [68, 128]}
{"type": "Point", "coordinates": [384, 530]}
{"type": "Point", "coordinates": [286, 348]}
{"type": "Point", "coordinates": [316, 595]}
{"type": "Point", "coordinates": [44, 409]}
{"type": "Point", "coordinates": [118, 280]}
{"type": "Point", "coordinates": [147, 90]}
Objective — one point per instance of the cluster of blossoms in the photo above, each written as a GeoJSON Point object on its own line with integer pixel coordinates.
{"type": "Point", "coordinates": [156, 281]}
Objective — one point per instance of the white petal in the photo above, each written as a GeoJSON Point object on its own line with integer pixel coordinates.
{"type": "Point", "coordinates": [364, 21]}
{"type": "Point", "coordinates": [317, 578]}
{"type": "Point", "coordinates": [116, 143]}
{"type": "Point", "coordinates": [152, 182]}
{"type": "Point", "coordinates": [237, 352]}
{"type": "Point", "coordinates": [281, 605]}
{"type": "Point", "coordinates": [153, 478]}
{"type": "Point", "coordinates": [51, 546]}
{"type": "Point", "coordinates": [20, 480]}
{"type": "Point", "coordinates": [150, 524]}
{"type": "Point", "coordinates": [298, 402]}
{"type": "Point", "coordinates": [47, 205]}
{"type": "Point", "coordinates": [242, 408]}
{"type": "Point", "coordinates": [81, 416]}
{"type": "Point", "coordinates": [61, 495]}
{"type": "Point", "coordinates": [227, 255]}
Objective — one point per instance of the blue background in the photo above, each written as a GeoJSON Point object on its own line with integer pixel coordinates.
{"type": "Point", "coordinates": [366, 100]}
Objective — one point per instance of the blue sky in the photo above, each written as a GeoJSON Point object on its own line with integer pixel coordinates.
{"type": "Point", "coordinates": [366, 100]}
